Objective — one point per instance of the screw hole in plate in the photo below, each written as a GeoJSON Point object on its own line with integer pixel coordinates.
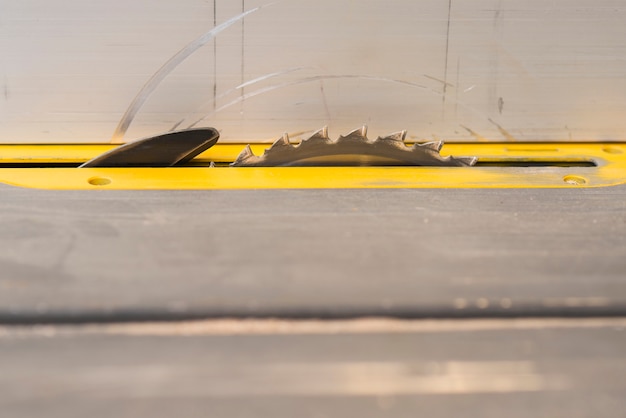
{"type": "Point", "coordinates": [611, 149]}
{"type": "Point", "coordinates": [574, 180]}
{"type": "Point", "coordinates": [99, 181]}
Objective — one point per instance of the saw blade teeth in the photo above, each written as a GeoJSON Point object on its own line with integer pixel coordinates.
{"type": "Point", "coordinates": [319, 136]}
{"type": "Point", "coordinates": [359, 135]}
{"type": "Point", "coordinates": [359, 132]}
{"type": "Point", "coordinates": [467, 161]}
{"type": "Point", "coordinates": [323, 132]}
{"type": "Point", "coordinates": [244, 155]}
{"type": "Point", "coordinates": [281, 142]}
{"type": "Point", "coordinates": [432, 145]}
{"type": "Point", "coordinates": [396, 137]}
{"type": "Point", "coordinates": [354, 144]}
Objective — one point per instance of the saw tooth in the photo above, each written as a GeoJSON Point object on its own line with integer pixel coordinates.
{"type": "Point", "coordinates": [359, 132]}
{"type": "Point", "coordinates": [281, 142]}
{"type": "Point", "coordinates": [244, 155]}
{"type": "Point", "coordinates": [320, 133]}
{"type": "Point", "coordinates": [323, 132]}
{"type": "Point", "coordinates": [359, 135]}
{"type": "Point", "coordinates": [394, 137]}
{"type": "Point", "coordinates": [432, 145]}
{"type": "Point", "coordinates": [319, 136]}
{"type": "Point", "coordinates": [467, 161]}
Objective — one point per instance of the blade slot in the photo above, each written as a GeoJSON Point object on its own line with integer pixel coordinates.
{"type": "Point", "coordinates": [517, 163]}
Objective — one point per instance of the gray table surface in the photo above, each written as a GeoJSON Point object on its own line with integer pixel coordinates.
{"type": "Point", "coordinates": [528, 370]}
{"type": "Point", "coordinates": [311, 252]}
{"type": "Point", "coordinates": [71, 259]}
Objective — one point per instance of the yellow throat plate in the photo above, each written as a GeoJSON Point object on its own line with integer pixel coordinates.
{"type": "Point", "coordinates": [500, 165]}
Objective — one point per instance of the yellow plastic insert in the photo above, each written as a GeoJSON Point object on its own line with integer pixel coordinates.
{"type": "Point", "coordinates": [500, 165]}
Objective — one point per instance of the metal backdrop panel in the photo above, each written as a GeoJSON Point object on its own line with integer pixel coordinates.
{"type": "Point", "coordinates": [80, 71]}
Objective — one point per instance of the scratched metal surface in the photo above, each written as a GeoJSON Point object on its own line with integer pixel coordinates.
{"type": "Point", "coordinates": [70, 255]}
{"type": "Point", "coordinates": [495, 69]}
{"type": "Point", "coordinates": [536, 371]}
